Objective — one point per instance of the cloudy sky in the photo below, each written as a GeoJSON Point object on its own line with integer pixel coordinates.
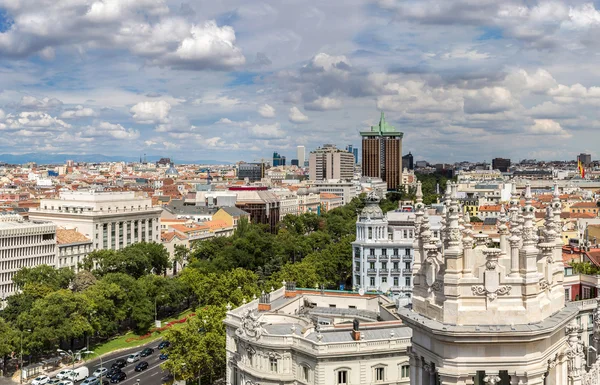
{"type": "Point", "coordinates": [238, 79]}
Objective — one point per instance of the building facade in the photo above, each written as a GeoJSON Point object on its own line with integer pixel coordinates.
{"type": "Point", "coordinates": [329, 162]}
{"type": "Point", "coordinates": [585, 159]}
{"type": "Point", "coordinates": [294, 336]}
{"type": "Point", "coordinates": [71, 248]}
{"type": "Point", "coordinates": [382, 153]}
{"type": "Point", "coordinates": [501, 164]}
{"type": "Point", "coordinates": [493, 316]}
{"type": "Point", "coordinates": [112, 220]}
{"type": "Point", "coordinates": [252, 171]}
{"type": "Point", "coordinates": [24, 244]}
{"type": "Point", "coordinates": [347, 190]}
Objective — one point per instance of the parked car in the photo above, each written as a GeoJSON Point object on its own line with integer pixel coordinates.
{"type": "Point", "coordinates": [66, 382]}
{"type": "Point", "coordinates": [105, 382]}
{"type": "Point", "coordinates": [133, 357]}
{"type": "Point", "coordinates": [100, 372]}
{"type": "Point", "coordinates": [53, 381]}
{"type": "Point", "coordinates": [112, 371]}
{"type": "Point", "coordinates": [164, 344]}
{"type": "Point", "coordinates": [91, 381]}
{"type": "Point", "coordinates": [118, 378]}
{"type": "Point", "coordinates": [141, 366]}
{"type": "Point", "coordinates": [146, 352]}
{"type": "Point", "coordinates": [79, 374]}
{"type": "Point", "coordinates": [63, 374]}
{"type": "Point", "coordinates": [163, 356]}
{"type": "Point", "coordinates": [120, 363]}
{"type": "Point", "coordinates": [40, 380]}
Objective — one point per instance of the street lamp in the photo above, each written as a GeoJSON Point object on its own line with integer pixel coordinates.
{"type": "Point", "coordinates": [99, 356]}
{"type": "Point", "coordinates": [22, 331]}
{"type": "Point", "coordinates": [70, 354]}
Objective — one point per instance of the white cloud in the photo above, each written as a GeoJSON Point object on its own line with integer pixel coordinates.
{"type": "Point", "coordinates": [547, 127]}
{"type": "Point", "coordinates": [2, 114]}
{"type": "Point", "coordinates": [36, 120]}
{"type": "Point", "coordinates": [296, 116]}
{"type": "Point", "coordinates": [489, 100]}
{"type": "Point", "coordinates": [266, 111]}
{"type": "Point", "coordinates": [221, 101]}
{"type": "Point", "coordinates": [460, 53]}
{"type": "Point", "coordinates": [78, 112]}
{"type": "Point", "coordinates": [324, 104]}
{"type": "Point", "coordinates": [31, 102]}
{"type": "Point", "coordinates": [115, 131]}
{"type": "Point", "coordinates": [267, 131]}
{"type": "Point", "coordinates": [151, 112]}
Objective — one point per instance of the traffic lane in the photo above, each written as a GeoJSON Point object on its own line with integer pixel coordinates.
{"type": "Point", "coordinates": [111, 358]}
{"type": "Point", "coordinates": [150, 376]}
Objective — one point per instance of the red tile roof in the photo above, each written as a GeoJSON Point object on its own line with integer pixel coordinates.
{"type": "Point", "coordinates": [584, 205]}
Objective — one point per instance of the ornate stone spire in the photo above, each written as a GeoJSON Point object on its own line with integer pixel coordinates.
{"type": "Point", "coordinates": [597, 327]}
{"type": "Point", "coordinates": [528, 216]}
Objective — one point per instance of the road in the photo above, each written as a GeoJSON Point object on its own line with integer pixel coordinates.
{"type": "Point", "coordinates": [150, 376]}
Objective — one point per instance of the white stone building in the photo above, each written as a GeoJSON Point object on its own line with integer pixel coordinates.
{"type": "Point", "coordinates": [112, 220]}
{"type": "Point", "coordinates": [347, 190]}
{"type": "Point", "coordinates": [293, 337]}
{"type": "Point", "coordinates": [309, 200]}
{"type": "Point", "coordinates": [24, 244]}
{"type": "Point", "coordinates": [494, 316]}
{"type": "Point", "coordinates": [288, 202]}
{"type": "Point", "coordinates": [71, 248]}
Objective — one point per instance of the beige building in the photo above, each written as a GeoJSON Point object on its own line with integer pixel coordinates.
{"type": "Point", "coordinates": [71, 248]}
{"type": "Point", "coordinates": [112, 220]}
{"type": "Point", "coordinates": [329, 162]}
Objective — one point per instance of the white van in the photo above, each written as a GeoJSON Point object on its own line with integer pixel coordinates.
{"type": "Point", "coordinates": [79, 374]}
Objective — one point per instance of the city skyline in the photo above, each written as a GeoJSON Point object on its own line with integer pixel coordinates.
{"type": "Point", "coordinates": [462, 80]}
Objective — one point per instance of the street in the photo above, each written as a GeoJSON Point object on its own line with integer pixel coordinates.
{"type": "Point", "coordinates": [150, 376]}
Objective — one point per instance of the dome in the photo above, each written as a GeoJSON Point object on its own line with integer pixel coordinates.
{"type": "Point", "coordinates": [172, 171]}
{"type": "Point", "coordinates": [372, 209]}
{"type": "Point", "coordinates": [302, 191]}
{"type": "Point", "coordinates": [313, 190]}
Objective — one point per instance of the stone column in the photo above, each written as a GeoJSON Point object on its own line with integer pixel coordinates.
{"type": "Point", "coordinates": [415, 369]}
{"type": "Point", "coordinates": [514, 255]}
{"type": "Point", "coordinates": [100, 235]}
{"type": "Point", "coordinates": [117, 229]}
{"type": "Point", "coordinates": [125, 229]}
{"type": "Point", "coordinates": [147, 229]}
{"type": "Point", "coordinates": [109, 235]}
{"type": "Point", "coordinates": [139, 231]}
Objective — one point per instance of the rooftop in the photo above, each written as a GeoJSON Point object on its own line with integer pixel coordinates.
{"type": "Point", "coordinates": [68, 236]}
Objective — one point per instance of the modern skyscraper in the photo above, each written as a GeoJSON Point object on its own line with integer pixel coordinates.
{"type": "Point", "coordinates": [329, 162]}
{"type": "Point", "coordinates": [278, 160]}
{"type": "Point", "coordinates": [382, 153]}
{"type": "Point", "coordinates": [354, 151]}
{"type": "Point", "coordinates": [501, 164]}
{"type": "Point", "coordinates": [301, 155]}
{"type": "Point", "coordinates": [586, 159]}
{"type": "Point", "coordinates": [408, 162]}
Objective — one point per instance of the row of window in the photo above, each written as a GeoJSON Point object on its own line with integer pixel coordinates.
{"type": "Point", "coordinates": [384, 252]}
{"type": "Point", "coordinates": [25, 240]}
{"type": "Point", "coordinates": [384, 265]}
{"type": "Point", "coordinates": [395, 281]}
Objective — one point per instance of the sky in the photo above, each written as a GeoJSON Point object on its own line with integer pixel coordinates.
{"type": "Point", "coordinates": [239, 79]}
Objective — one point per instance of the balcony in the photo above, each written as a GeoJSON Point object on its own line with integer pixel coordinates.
{"type": "Point", "coordinates": [395, 257]}
{"type": "Point", "coordinates": [407, 258]}
{"type": "Point", "coordinates": [396, 271]}
{"type": "Point", "coordinates": [383, 271]}
{"type": "Point", "coordinates": [407, 272]}
{"type": "Point", "coordinates": [372, 271]}
{"type": "Point", "coordinates": [372, 258]}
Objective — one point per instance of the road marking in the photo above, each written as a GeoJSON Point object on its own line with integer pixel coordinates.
{"type": "Point", "coordinates": [147, 371]}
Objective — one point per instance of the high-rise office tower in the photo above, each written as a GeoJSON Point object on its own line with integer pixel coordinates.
{"type": "Point", "coordinates": [501, 164]}
{"type": "Point", "coordinates": [354, 151]}
{"type": "Point", "coordinates": [585, 159]}
{"type": "Point", "coordinates": [382, 153]}
{"type": "Point", "coordinates": [278, 160]}
{"type": "Point", "coordinates": [328, 162]}
{"type": "Point", "coordinates": [408, 162]}
{"type": "Point", "coordinates": [301, 155]}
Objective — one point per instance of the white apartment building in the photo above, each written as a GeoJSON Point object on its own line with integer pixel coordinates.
{"type": "Point", "coordinates": [288, 202]}
{"type": "Point", "coordinates": [309, 200]}
{"type": "Point", "coordinates": [71, 248]}
{"type": "Point", "coordinates": [345, 189]}
{"type": "Point", "coordinates": [330, 162]}
{"type": "Point", "coordinates": [301, 154]}
{"type": "Point", "coordinates": [24, 244]}
{"type": "Point", "coordinates": [112, 220]}
{"type": "Point", "coordinates": [296, 336]}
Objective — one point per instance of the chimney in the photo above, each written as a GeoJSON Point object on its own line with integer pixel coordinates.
{"type": "Point", "coordinates": [290, 289]}
{"type": "Point", "coordinates": [356, 330]}
{"type": "Point", "coordinates": [264, 302]}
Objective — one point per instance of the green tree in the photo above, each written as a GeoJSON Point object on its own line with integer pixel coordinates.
{"type": "Point", "coordinates": [83, 280]}
{"type": "Point", "coordinates": [43, 279]}
{"type": "Point", "coordinates": [8, 337]}
{"type": "Point", "coordinates": [198, 348]}
{"type": "Point", "coordinates": [180, 256]}
{"type": "Point", "coordinates": [155, 253]}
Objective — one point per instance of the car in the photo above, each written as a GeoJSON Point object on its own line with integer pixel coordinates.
{"type": "Point", "coordinates": [141, 366]}
{"type": "Point", "coordinates": [146, 352]}
{"type": "Point", "coordinates": [66, 382]}
{"type": "Point", "coordinates": [100, 372]}
{"type": "Point", "coordinates": [133, 357]}
{"type": "Point", "coordinates": [91, 381]}
{"type": "Point", "coordinates": [53, 381]}
{"type": "Point", "coordinates": [63, 374]}
{"type": "Point", "coordinates": [40, 380]}
{"type": "Point", "coordinates": [167, 378]}
{"type": "Point", "coordinates": [113, 370]}
{"type": "Point", "coordinates": [79, 374]}
{"type": "Point", "coordinates": [118, 378]}
{"type": "Point", "coordinates": [105, 382]}
{"type": "Point", "coordinates": [163, 356]}
{"type": "Point", "coordinates": [120, 363]}
{"type": "Point", "coordinates": [164, 344]}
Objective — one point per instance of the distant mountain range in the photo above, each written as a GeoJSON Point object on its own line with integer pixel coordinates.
{"type": "Point", "coordinates": [43, 158]}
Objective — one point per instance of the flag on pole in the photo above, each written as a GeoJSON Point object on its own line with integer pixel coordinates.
{"type": "Point", "coordinates": [581, 169]}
